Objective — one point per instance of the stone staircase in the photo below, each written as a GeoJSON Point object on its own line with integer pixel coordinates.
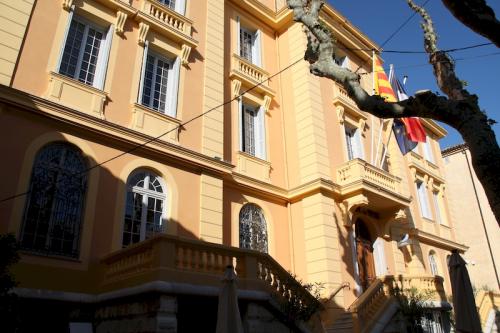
{"type": "Point", "coordinates": [344, 324]}
{"type": "Point", "coordinates": [373, 310]}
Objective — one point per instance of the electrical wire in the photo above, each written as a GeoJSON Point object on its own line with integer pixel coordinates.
{"type": "Point", "coordinates": [156, 138]}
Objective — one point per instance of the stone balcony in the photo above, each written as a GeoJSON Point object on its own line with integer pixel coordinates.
{"type": "Point", "coordinates": [182, 262]}
{"type": "Point", "coordinates": [250, 75]}
{"type": "Point", "coordinates": [364, 184]}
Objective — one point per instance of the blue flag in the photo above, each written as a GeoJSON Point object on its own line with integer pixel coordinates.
{"type": "Point", "coordinates": [405, 145]}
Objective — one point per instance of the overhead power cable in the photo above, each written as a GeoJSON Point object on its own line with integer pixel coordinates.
{"type": "Point", "coordinates": [156, 138]}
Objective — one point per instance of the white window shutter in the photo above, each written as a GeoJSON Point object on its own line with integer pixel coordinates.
{"type": "Point", "coordinates": [256, 49]}
{"type": "Point", "coordinates": [103, 58]}
{"type": "Point", "coordinates": [238, 33]}
{"type": "Point", "coordinates": [173, 88]}
{"type": "Point", "coordinates": [180, 7]}
{"type": "Point", "coordinates": [240, 123]}
{"type": "Point", "coordinates": [63, 45]}
{"type": "Point", "coordinates": [260, 139]}
{"type": "Point", "coordinates": [428, 150]}
{"type": "Point", "coordinates": [379, 254]}
{"type": "Point", "coordinates": [143, 71]}
{"type": "Point", "coordinates": [358, 144]}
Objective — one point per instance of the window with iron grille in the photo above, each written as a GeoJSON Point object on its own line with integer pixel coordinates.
{"type": "Point", "coordinates": [84, 57]}
{"type": "Point", "coordinates": [54, 208]}
{"type": "Point", "coordinates": [144, 207]}
{"type": "Point", "coordinates": [253, 228]}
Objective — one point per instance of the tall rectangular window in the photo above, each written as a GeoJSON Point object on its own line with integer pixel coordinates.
{"type": "Point", "coordinates": [159, 83]}
{"type": "Point", "coordinates": [422, 200]}
{"type": "Point", "coordinates": [249, 42]}
{"type": "Point", "coordinates": [85, 53]}
{"type": "Point", "coordinates": [249, 121]}
{"type": "Point", "coordinates": [252, 131]}
{"type": "Point", "coordinates": [353, 142]}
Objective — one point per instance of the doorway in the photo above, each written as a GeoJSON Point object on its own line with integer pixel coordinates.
{"type": "Point", "coordinates": [364, 255]}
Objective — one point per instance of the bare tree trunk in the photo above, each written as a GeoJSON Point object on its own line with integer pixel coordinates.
{"type": "Point", "coordinates": [460, 110]}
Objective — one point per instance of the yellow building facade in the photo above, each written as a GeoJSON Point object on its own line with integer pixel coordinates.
{"type": "Point", "coordinates": [150, 143]}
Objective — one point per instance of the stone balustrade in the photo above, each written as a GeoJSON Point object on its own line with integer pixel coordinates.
{"type": "Point", "coordinates": [340, 95]}
{"type": "Point", "coordinates": [168, 16]}
{"type": "Point", "coordinates": [376, 297]}
{"type": "Point", "coordinates": [173, 259]}
{"type": "Point", "coordinates": [358, 169]}
{"type": "Point", "coordinates": [250, 71]}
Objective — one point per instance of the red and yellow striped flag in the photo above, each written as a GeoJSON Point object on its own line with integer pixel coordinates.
{"type": "Point", "coordinates": [382, 85]}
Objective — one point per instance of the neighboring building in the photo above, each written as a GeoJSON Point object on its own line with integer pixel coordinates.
{"type": "Point", "coordinates": [474, 221]}
{"type": "Point", "coordinates": [284, 178]}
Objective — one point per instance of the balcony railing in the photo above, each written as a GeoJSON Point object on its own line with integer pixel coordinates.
{"type": "Point", "coordinates": [168, 16]}
{"type": "Point", "coordinates": [374, 300]}
{"type": "Point", "coordinates": [249, 70]}
{"type": "Point", "coordinates": [340, 94]}
{"type": "Point", "coordinates": [173, 259]}
{"type": "Point", "coordinates": [357, 169]}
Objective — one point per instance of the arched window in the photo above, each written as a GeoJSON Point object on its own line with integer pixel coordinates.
{"type": "Point", "coordinates": [433, 263]}
{"type": "Point", "coordinates": [54, 207]}
{"type": "Point", "coordinates": [144, 207]}
{"type": "Point", "coordinates": [253, 228]}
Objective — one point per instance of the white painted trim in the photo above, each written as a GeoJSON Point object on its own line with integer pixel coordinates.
{"type": "Point", "coordinates": [352, 239]}
{"type": "Point", "coordinates": [260, 134]}
{"type": "Point", "coordinates": [240, 123]}
{"type": "Point", "coordinates": [180, 7]}
{"type": "Point", "coordinates": [68, 24]}
{"type": "Point", "coordinates": [173, 88]}
{"type": "Point", "coordinates": [257, 48]}
{"type": "Point", "coordinates": [143, 71]}
{"type": "Point", "coordinates": [379, 256]}
{"type": "Point", "coordinates": [238, 33]}
{"type": "Point", "coordinates": [103, 59]}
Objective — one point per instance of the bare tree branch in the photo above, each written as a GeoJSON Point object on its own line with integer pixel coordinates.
{"type": "Point", "coordinates": [460, 110]}
{"type": "Point", "coordinates": [476, 15]}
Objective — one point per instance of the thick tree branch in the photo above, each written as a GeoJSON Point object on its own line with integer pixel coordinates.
{"type": "Point", "coordinates": [460, 110]}
{"type": "Point", "coordinates": [444, 68]}
{"type": "Point", "coordinates": [476, 15]}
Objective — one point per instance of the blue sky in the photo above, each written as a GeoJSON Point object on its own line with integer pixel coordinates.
{"type": "Point", "coordinates": [379, 19]}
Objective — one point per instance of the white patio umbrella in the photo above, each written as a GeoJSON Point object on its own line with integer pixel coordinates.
{"type": "Point", "coordinates": [228, 313]}
{"type": "Point", "coordinates": [466, 317]}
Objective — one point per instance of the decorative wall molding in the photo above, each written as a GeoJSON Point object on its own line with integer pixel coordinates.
{"type": "Point", "coordinates": [121, 18]}
{"type": "Point", "coordinates": [185, 51]}
{"type": "Point", "coordinates": [143, 32]}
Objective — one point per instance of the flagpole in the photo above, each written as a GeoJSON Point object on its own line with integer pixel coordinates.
{"type": "Point", "coordinates": [371, 116]}
{"type": "Point", "coordinates": [381, 128]}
